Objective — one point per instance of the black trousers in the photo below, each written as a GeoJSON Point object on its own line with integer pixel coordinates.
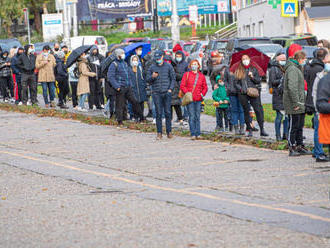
{"type": "Point", "coordinates": [101, 96]}
{"type": "Point", "coordinates": [178, 111]}
{"type": "Point", "coordinates": [6, 85]}
{"type": "Point", "coordinates": [223, 117]}
{"type": "Point", "coordinates": [64, 90]}
{"type": "Point", "coordinates": [126, 94]}
{"type": "Point", "coordinates": [94, 88]}
{"type": "Point", "coordinates": [29, 82]}
{"type": "Point", "coordinates": [74, 85]}
{"type": "Point", "coordinates": [296, 125]}
{"type": "Point", "coordinates": [257, 107]}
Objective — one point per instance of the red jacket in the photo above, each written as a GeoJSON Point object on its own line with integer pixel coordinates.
{"type": "Point", "coordinates": [187, 84]}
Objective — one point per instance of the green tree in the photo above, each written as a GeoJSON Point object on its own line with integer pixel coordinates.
{"type": "Point", "coordinates": [9, 11]}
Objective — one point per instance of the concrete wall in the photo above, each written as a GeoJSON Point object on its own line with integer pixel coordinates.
{"type": "Point", "coordinates": [262, 20]}
{"type": "Point", "coordinates": [320, 28]}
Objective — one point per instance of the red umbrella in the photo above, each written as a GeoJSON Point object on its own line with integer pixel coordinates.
{"type": "Point", "coordinates": [258, 60]}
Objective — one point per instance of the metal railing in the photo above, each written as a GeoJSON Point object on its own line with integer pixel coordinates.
{"type": "Point", "coordinates": [226, 27]}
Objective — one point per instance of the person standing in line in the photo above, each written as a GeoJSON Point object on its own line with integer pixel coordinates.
{"type": "Point", "coordinates": [247, 76]}
{"type": "Point", "coordinates": [83, 83]}
{"type": "Point", "coordinates": [26, 62]}
{"type": "Point", "coordinates": [118, 75]}
{"type": "Point", "coordinates": [73, 79]}
{"type": "Point", "coordinates": [194, 81]}
{"type": "Point", "coordinates": [61, 76]}
{"type": "Point", "coordinates": [45, 64]}
{"type": "Point", "coordinates": [294, 99]}
{"type": "Point", "coordinates": [221, 99]}
{"type": "Point", "coordinates": [161, 77]}
{"type": "Point", "coordinates": [6, 77]}
{"type": "Point", "coordinates": [276, 78]}
{"type": "Point", "coordinates": [18, 76]}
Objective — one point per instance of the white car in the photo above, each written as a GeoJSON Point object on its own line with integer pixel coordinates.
{"type": "Point", "coordinates": [98, 41]}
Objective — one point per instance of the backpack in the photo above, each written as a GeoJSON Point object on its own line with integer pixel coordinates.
{"type": "Point", "coordinates": [76, 72]}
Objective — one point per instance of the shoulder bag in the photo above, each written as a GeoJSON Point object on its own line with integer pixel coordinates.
{"type": "Point", "coordinates": [188, 97]}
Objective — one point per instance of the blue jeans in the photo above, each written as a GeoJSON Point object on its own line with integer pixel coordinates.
{"type": "Point", "coordinates": [237, 112]}
{"type": "Point", "coordinates": [278, 121]}
{"type": "Point", "coordinates": [51, 89]}
{"type": "Point", "coordinates": [194, 112]}
{"type": "Point", "coordinates": [82, 100]}
{"type": "Point", "coordinates": [153, 110]}
{"type": "Point", "coordinates": [162, 103]}
{"type": "Point", "coordinates": [318, 148]}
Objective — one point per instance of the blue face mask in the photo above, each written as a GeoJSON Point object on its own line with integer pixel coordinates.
{"type": "Point", "coordinates": [282, 62]}
{"type": "Point", "coordinates": [179, 59]}
{"type": "Point", "coordinates": [327, 67]}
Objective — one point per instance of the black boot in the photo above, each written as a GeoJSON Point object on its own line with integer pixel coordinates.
{"type": "Point", "coordinates": [263, 133]}
{"type": "Point", "coordinates": [278, 138]}
{"type": "Point", "coordinates": [303, 151]}
{"type": "Point", "coordinates": [230, 127]}
{"type": "Point", "coordinates": [285, 136]}
{"type": "Point", "coordinates": [293, 152]}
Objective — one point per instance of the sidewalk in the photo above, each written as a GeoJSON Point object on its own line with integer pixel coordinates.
{"type": "Point", "coordinates": [207, 122]}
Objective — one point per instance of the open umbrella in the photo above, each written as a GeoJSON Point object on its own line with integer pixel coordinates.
{"type": "Point", "coordinates": [258, 59]}
{"type": "Point", "coordinates": [130, 49]}
{"type": "Point", "coordinates": [75, 54]}
{"type": "Point", "coordinates": [106, 63]}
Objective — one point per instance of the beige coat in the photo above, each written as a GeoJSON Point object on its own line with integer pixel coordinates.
{"type": "Point", "coordinates": [84, 73]}
{"type": "Point", "coordinates": [46, 70]}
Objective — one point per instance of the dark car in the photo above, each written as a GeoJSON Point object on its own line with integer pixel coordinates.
{"type": "Point", "coordinates": [11, 43]}
{"type": "Point", "coordinates": [214, 45]}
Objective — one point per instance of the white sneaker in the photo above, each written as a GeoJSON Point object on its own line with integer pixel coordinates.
{"type": "Point", "coordinates": [6, 100]}
{"type": "Point", "coordinates": [12, 100]}
{"type": "Point", "coordinates": [78, 108]}
{"type": "Point", "coordinates": [84, 110]}
{"type": "Point", "coordinates": [29, 103]}
{"type": "Point", "coordinates": [20, 103]}
{"type": "Point", "coordinates": [94, 107]}
{"type": "Point", "coordinates": [102, 106]}
{"type": "Point", "coordinates": [153, 121]}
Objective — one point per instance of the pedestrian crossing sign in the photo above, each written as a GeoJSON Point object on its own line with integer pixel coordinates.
{"type": "Point", "coordinates": [289, 8]}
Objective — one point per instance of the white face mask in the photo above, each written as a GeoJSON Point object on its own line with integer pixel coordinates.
{"type": "Point", "coordinates": [122, 56]}
{"type": "Point", "coordinates": [31, 50]}
{"type": "Point", "coordinates": [246, 62]}
{"type": "Point", "coordinates": [135, 63]}
{"type": "Point", "coordinates": [282, 62]}
{"type": "Point", "coordinates": [194, 67]}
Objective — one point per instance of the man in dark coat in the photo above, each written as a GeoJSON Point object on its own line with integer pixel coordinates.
{"type": "Point", "coordinates": [61, 76]}
{"type": "Point", "coordinates": [180, 67]}
{"type": "Point", "coordinates": [276, 78]}
{"type": "Point", "coordinates": [26, 63]}
{"type": "Point", "coordinates": [161, 77]}
{"type": "Point", "coordinates": [96, 98]}
{"type": "Point", "coordinates": [5, 77]}
{"type": "Point", "coordinates": [18, 75]}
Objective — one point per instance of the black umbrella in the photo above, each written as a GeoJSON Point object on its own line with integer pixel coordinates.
{"type": "Point", "coordinates": [75, 54]}
{"type": "Point", "coordinates": [106, 63]}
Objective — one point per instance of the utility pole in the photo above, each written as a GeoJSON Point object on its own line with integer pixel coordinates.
{"type": "Point", "coordinates": [66, 32]}
{"type": "Point", "coordinates": [75, 20]}
{"type": "Point", "coordinates": [175, 29]}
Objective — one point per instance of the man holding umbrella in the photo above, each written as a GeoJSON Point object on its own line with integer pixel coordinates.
{"type": "Point", "coordinates": [119, 79]}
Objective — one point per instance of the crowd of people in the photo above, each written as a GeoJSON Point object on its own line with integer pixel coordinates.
{"type": "Point", "coordinates": [164, 84]}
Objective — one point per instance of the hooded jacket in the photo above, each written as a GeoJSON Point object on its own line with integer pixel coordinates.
{"type": "Point", "coordinates": [314, 67]}
{"type": "Point", "coordinates": [138, 83]}
{"type": "Point", "coordinates": [16, 70]}
{"type": "Point", "coordinates": [4, 69]}
{"type": "Point", "coordinates": [61, 72]}
{"type": "Point", "coordinates": [220, 94]}
{"type": "Point", "coordinates": [27, 62]}
{"type": "Point", "coordinates": [118, 74]}
{"type": "Point", "coordinates": [276, 79]}
{"type": "Point", "coordinates": [84, 74]}
{"type": "Point", "coordinates": [293, 89]}
{"type": "Point", "coordinates": [92, 60]}
{"type": "Point", "coordinates": [180, 68]}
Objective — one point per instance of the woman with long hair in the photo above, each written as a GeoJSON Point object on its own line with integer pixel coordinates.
{"type": "Point", "coordinates": [194, 81]}
{"type": "Point", "coordinates": [248, 84]}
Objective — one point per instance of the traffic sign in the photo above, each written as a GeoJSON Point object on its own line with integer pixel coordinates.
{"type": "Point", "coordinates": [289, 8]}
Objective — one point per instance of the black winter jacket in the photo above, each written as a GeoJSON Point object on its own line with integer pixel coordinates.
{"type": "Point", "coordinates": [247, 82]}
{"type": "Point", "coordinates": [180, 68]}
{"type": "Point", "coordinates": [166, 78]}
{"type": "Point", "coordinates": [4, 69]}
{"type": "Point", "coordinates": [323, 95]}
{"type": "Point", "coordinates": [95, 68]}
{"type": "Point", "coordinates": [61, 72]}
{"type": "Point", "coordinates": [311, 71]}
{"type": "Point", "coordinates": [27, 63]}
{"type": "Point", "coordinates": [276, 80]}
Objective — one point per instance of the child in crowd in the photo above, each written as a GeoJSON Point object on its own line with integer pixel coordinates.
{"type": "Point", "coordinates": [222, 103]}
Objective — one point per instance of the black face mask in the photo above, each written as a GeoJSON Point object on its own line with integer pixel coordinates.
{"type": "Point", "coordinates": [56, 49]}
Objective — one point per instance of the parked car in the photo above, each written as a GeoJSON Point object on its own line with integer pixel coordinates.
{"type": "Point", "coordinates": [39, 45]}
{"type": "Point", "coordinates": [166, 46]}
{"type": "Point", "coordinates": [132, 40]}
{"type": "Point", "coordinates": [303, 40]}
{"type": "Point", "coordinates": [213, 45]}
{"type": "Point", "coordinates": [187, 47]}
{"type": "Point", "coordinates": [197, 52]}
{"type": "Point", "coordinates": [99, 41]}
{"type": "Point", "coordinates": [11, 43]}
{"type": "Point", "coordinates": [235, 44]}
{"type": "Point", "coordinates": [269, 49]}
{"type": "Point", "coordinates": [155, 43]}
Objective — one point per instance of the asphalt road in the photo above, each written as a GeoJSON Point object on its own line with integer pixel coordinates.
{"type": "Point", "coordinates": [68, 184]}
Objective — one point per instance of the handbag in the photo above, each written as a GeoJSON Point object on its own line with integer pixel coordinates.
{"type": "Point", "coordinates": [251, 92]}
{"type": "Point", "coordinates": [188, 97]}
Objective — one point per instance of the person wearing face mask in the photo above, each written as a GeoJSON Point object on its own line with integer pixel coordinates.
{"type": "Point", "coordinates": [138, 82]}
{"type": "Point", "coordinates": [26, 63]}
{"type": "Point", "coordinates": [96, 97]}
{"type": "Point", "coordinates": [56, 49]}
{"type": "Point", "coordinates": [221, 101]}
{"type": "Point", "coordinates": [45, 64]}
{"type": "Point", "coordinates": [161, 77]}
{"type": "Point", "coordinates": [119, 78]}
{"type": "Point", "coordinates": [194, 81]}
{"type": "Point", "coordinates": [276, 77]}
{"type": "Point", "coordinates": [180, 67]}
{"type": "Point", "coordinates": [247, 76]}
{"type": "Point", "coordinates": [18, 76]}
{"type": "Point", "coordinates": [5, 77]}
{"type": "Point", "coordinates": [318, 151]}
{"type": "Point", "coordinates": [294, 99]}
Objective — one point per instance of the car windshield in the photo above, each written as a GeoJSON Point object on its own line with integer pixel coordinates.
{"type": "Point", "coordinates": [221, 45]}
{"type": "Point", "coordinates": [252, 42]}
{"type": "Point", "coordinates": [306, 42]}
{"type": "Point", "coordinates": [188, 47]}
{"type": "Point", "coordinates": [269, 48]}
{"type": "Point", "coordinates": [170, 45]}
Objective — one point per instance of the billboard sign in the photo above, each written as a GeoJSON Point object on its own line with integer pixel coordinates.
{"type": "Point", "coordinates": [164, 7]}
{"type": "Point", "coordinates": [109, 9]}
{"type": "Point", "coordinates": [52, 26]}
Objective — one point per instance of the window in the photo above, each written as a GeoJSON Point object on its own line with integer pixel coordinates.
{"type": "Point", "coordinates": [253, 30]}
{"type": "Point", "coordinates": [261, 29]}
